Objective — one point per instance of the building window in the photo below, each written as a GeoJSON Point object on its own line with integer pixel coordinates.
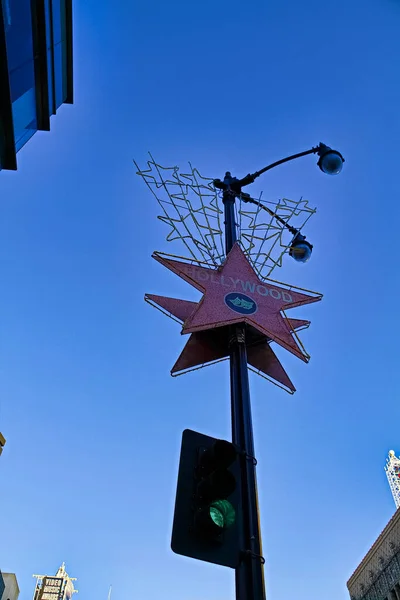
{"type": "Point", "coordinates": [21, 69]}
{"type": "Point", "coordinates": [60, 54]}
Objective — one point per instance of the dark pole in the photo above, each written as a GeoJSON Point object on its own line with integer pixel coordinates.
{"type": "Point", "coordinates": [250, 573]}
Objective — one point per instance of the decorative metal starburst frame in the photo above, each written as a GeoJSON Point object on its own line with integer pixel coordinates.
{"type": "Point", "coordinates": [192, 208]}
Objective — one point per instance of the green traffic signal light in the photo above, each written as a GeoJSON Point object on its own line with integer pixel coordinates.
{"type": "Point", "coordinates": [207, 520]}
{"type": "Point", "coordinates": [215, 483]}
{"type": "Point", "coordinates": [222, 513]}
{"type": "Point", "coordinates": [212, 520]}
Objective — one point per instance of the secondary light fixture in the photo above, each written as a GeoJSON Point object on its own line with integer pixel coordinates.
{"type": "Point", "coordinates": [300, 249]}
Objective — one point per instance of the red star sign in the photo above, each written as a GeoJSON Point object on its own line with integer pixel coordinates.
{"type": "Point", "coordinates": [233, 293]}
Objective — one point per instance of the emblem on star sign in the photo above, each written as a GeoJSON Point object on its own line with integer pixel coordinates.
{"type": "Point", "coordinates": [233, 293]}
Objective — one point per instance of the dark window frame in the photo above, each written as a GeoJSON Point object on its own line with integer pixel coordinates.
{"type": "Point", "coordinates": [69, 50]}
{"type": "Point", "coordinates": [40, 62]}
{"type": "Point", "coordinates": [8, 155]}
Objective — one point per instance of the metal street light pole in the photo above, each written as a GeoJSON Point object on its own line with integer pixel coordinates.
{"type": "Point", "coordinates": [250, 573]}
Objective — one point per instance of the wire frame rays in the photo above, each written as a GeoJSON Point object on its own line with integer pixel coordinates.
{"type": "Point", "coordinates": [192, 209]}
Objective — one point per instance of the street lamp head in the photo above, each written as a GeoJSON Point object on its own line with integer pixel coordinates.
{"type": "Point", "coordinates": [300, 250]}
{"type": "Point", "coordinates": [330, 161]}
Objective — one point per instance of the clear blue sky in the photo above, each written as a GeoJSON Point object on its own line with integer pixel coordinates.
{"type": "Point", "coordinates": [93, 419]}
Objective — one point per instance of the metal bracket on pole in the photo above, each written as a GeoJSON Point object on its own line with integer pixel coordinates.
{"type": "Point", "coordinates": [254, 556]}
{"type": "Point", "coordinates": [251, 458]}
{"type": "Point", "coordinates": [237, 336]}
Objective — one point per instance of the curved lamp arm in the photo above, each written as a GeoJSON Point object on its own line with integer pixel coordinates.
{"type": "Point", "coordinates": [247, 198]}
{"type": "Point", "coordinates": [330, 161]}
{"type": "Point", "coordinates": [252, 176]}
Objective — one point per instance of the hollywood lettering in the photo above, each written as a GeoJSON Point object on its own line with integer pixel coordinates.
{"type": "Point", "coordinates": [238, 284]}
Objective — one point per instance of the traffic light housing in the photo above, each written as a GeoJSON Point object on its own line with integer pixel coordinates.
{"type": "Point", "coordinates": [208, 515]}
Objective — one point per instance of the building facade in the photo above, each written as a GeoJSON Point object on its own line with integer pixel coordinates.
{"type": "Point", "coordinates": [11, 588]}
{"type": "Point", "coordinates": [55, 587]}
{"type": "Point", "coordinates": [35, 69]}
{"type": "Point", "coordinates": [2, 585]}
{"type": "Point", "coordinates": [392, 470]}
{"type": "Point", "coordinates": [377, 577]}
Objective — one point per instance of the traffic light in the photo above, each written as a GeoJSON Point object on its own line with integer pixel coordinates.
{"type": "Point", "coordinates": [207, 519]}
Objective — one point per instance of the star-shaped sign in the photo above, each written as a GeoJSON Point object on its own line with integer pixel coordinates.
{"type": "Point", "coordinates": [233, 293]}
